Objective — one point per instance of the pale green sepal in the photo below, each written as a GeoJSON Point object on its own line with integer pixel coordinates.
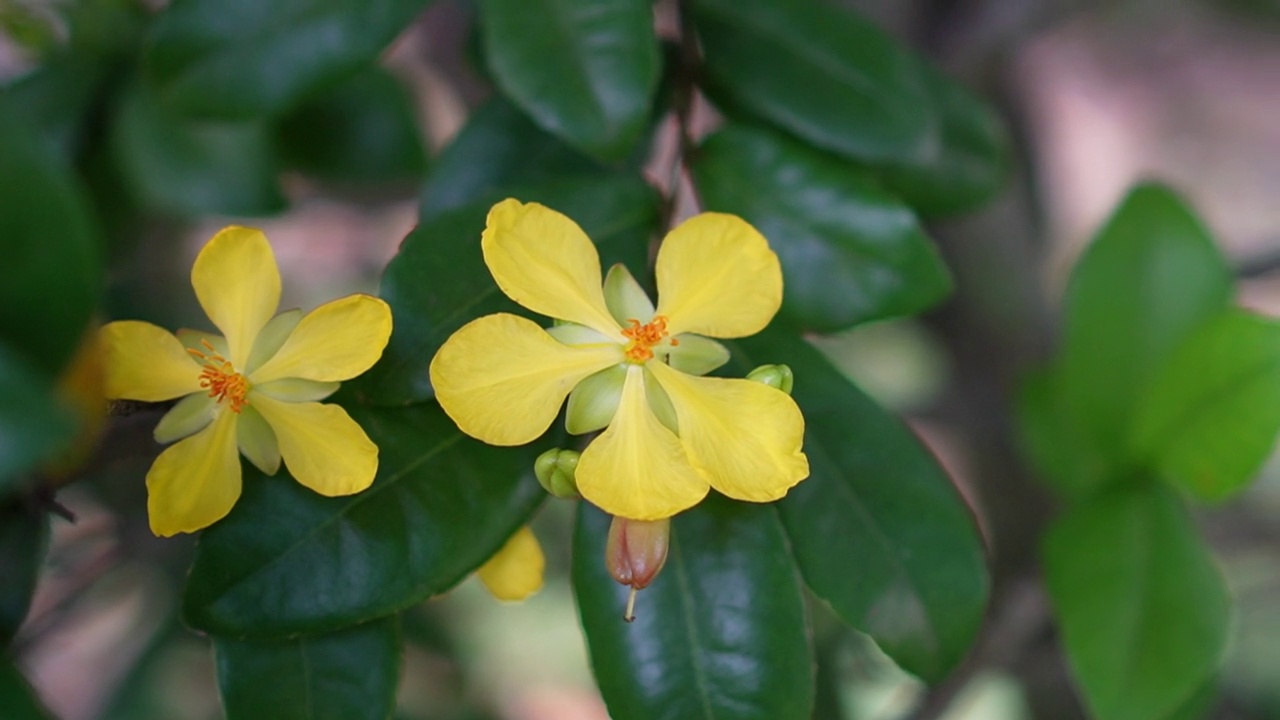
{"type": "Point", "coordinates": [575, 334]}
{"type": "Point", "coordinates": [271, 337]}
{"type": "Point", "coordinates": [555, 471]}
{"type": "Point", "coordinates": [625, 298]}
{"type": "Point", "coordinates": [775, 376]}
{"type": "Point", "coordinates": [594, 401]}
{"type": "Point", "coordinates": [257, 441]}
{"type": "Point", "coordinates": [297, 389]}
{"type": "Point", "coordinates": [195, 339]}
{"type": "Point", "coordinates": [660, 402]}
{"type": "Point", "coordinates": [191, 415]}
{"type": "Point", "coordinates": [696, 355]}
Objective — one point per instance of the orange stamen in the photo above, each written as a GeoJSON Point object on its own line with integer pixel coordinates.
{"type": "Point", "coordinates": [220, 378]}
{"type": "Point", "coordinates": [644, 337]}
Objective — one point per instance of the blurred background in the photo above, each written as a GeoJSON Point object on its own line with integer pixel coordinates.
{"type": "Point", "coordinates": [1097, 95]}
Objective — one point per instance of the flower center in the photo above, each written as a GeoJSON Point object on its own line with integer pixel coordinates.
{"type": "Point", "coordinates": [644, 337]}
{"type": "Point", "coordinates": [220, 378]}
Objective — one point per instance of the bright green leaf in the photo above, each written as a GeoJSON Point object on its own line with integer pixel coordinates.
{"type": "Point", "coordinates": [878, 530]}
{"type": "Point", "coordinates": [1062, 454]}
{"type": "Point", "coordinates": [438, 282]}
{"type": "Point", "coordinates": [1209, 420]}
{"type": "Point", "coordinates": [850, 251]}
{"type": "Point", "coordinates": [239, 60]}
{"type": "Point", "coordinates": [24, 536]}
{"type": "Point", "coordinates": [288, 561]}
{"type": "Point", "coordinates": [721, 633]}
{"type": "Point", "coordinates": [1149, 279]}
{"type": "Point", "coordinates": [584, 70]}
{"type": "Point", "coordinates": [1142, 607]}
{"type": "Point", "coordinates": [350, 674]}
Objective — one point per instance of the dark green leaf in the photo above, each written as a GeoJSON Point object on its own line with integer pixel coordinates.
{"type": "Point", "coordinates": [1062, 455]}
{"type": "Point", "coordinates": [17, 698]}
{"type": "Point", "coordinates": [57, 97]}
{"type": "Point", "coordinates": [721, 632]}
{"type": "Point", "coordinates": [364, 130]}
{"type": "Point", "coordinates": [584, 70]}
{"type": "Point", "coordinates": [1209, 420]}
{"type": "Point", "coordinates": [1149, 279]}
{"type": "Point", "coordinates": [33, 425]}
{"type": "Point", "coordinates": [288, 561]}
{"type": "Point", "coordinates": [239, 60]}
{"type": "Point", "coordinates": [878, 529]}
{"type": "Point", "coordinates": [500, 153]}
{"type": "Point", "coordinates": [50, 276]}
{"type": "Point", "coordinates": [1142, 607]}
{"type": "Point", "coordinates": [24, 536]}
{"type": "Point", "coordinates": [186, 167]}
{"type": "Point", "coordinates": [438, 282]}
{"type": "Point", "coordinates": [820, 72]}
{"type": "Point", "coordinates": [346, 675]}
{"type": "Point", "coordinates": [850, 251]}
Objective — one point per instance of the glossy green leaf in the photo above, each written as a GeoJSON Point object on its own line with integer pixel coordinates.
{"type": "Point", "coordinates": [878, 530]}
{"type": "Point", "coordinates": [850, 251]}
{"type": "Point", "coordinates": [438, 282]}
{"type": "Point", "coordinates": [1210, 418]}
{"type": "Point", "coordinates": [364, 130]}
{"type": "Point", "coordinates": [17, 698]}
{"type": "Point", "coordinates": [24, 537]}
{"type": "Point", "coordinates": [721, 633]}
{"type": "Point", "coordinates": [1142, 607]}
{"type": "Point", "coordinates": [185, 167]}
{"type": "Point", "coordinates": [33, 425]}
{"type": "Point", "coordinates": [238, 60]}
{"type": "Point", "coordinates": [51, 276]}
{"type": "Point", "coordinates": [819, 71]}
{"type": "Point", "coordinates": [350, 674]}
{"type": "Point", "coordinates": [288, 561]}
{"type": "Point", "coordinates": [500, 153]}
{"type": "Point", "coordinates": [584, 70]}
{"type": "Point", "coordinates": [1062, 454]}
{"type": "Point", "coordinates": [1150, 278]}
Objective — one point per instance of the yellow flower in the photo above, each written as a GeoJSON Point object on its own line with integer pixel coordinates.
{"type": "Point", "coordinates": [622, 363]}
{"type": "Point", "coordinates": [256, 387]}
{"type": "Point", "coordinates": [515, 572]}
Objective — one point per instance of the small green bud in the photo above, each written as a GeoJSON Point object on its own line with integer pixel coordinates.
{"type": "Point", "coordinates": [555, 471]}
{"type": "Point", "coordinates": [775, 376]}
{"type": "Point", "coordinates": [635, 553]}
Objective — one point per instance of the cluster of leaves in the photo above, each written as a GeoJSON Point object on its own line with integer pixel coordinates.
{"type": "Point", "coordinates": [836, 141]}
{"type": "Point", "coordinates": [1162, 390]}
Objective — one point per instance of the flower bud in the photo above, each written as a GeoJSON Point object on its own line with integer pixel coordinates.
{"type": "Point", "coordinates": [775, 376]}
{"type": "Point", "coordinates": [555, 469]}
{"type": "Point", "coordinates": [635, 553]}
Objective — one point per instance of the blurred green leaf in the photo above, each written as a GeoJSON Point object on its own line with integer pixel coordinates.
{"type": "Point", "coordinates": [346, 675]}
{"type": "Point", "coordinates": [438, 282]}
{"type": "Point", "coordinates": [185, 167]}
{"type": "Point", "coordinates": [288, 561]}
{"type": "Point", "coordinates": [721, 632]}
{"type": "Point", "coordinates": [1142, 607]}
{"type": "Point", "coordinates": [57, 97]}
{"type": "Point", "coordinates": [878, 530]}
{"type": "Point", "coordinates": [850, 251]}
{"type": "Point", "coordinates": [24, 537]}
{"type": "Point", "coordinates": [50, 277]}
{"type": "Point", "coordinates": [500, 153]}
{"type": "Point", "coordinates": [1062, 454]}
{"type": "Point", "coordinates": [229, 59]}
{"type": "Point", "coordinates": [1210, 418]}
{"type": "Point", "coordinates": [17, 697]}
{"type": "Point", "coordinates": [33, 424]}
{"type": "Point", "coordinates": [819, 71]}
{"type": "Point", "coordinates": [1150, 278]}
{"type": "Point", "coordinates": [364, 130]}
{"type": "Point", "coordinates": [584, 70]}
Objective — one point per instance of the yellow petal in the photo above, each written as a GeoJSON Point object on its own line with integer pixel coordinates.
{"type": "Point", "coordinates": [273, 334]}
{"type": "Point", "coordinates": [717, 277]}
{"type": "Point", "coordinates": [336, 341]}
{"type": "Point", "coordinates": [543, 260]}
{"type": "Point", "coordinates": [195, 483]}
{"type": "Point", "coordinates": [515, 572]}
{"type": "Point", "coordinates": [297, 390]}
{"type": "Point", "coordinates": [322, 446]}
{"type": "Point", "coordinates": [238, 285]}
{"type": "Point", "coordinates": [744, 436]}
{"type": "Point", "coordinates": [503, 379]}
{"type": "Point", "coordinates": [145, 362]}
{"type": "Point", "coordinates": [638, 468]}
{"type": "Point", "coordinates": [196, 339]}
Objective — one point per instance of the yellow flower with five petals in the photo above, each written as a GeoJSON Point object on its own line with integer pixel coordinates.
{"type": "Point", "coordinates": [626, 366]}
{"type": "Point", "coordinates": [253, 390]}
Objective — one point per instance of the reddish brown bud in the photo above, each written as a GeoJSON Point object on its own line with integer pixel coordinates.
{"type": "Point", "coordinates": [635, 553]}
